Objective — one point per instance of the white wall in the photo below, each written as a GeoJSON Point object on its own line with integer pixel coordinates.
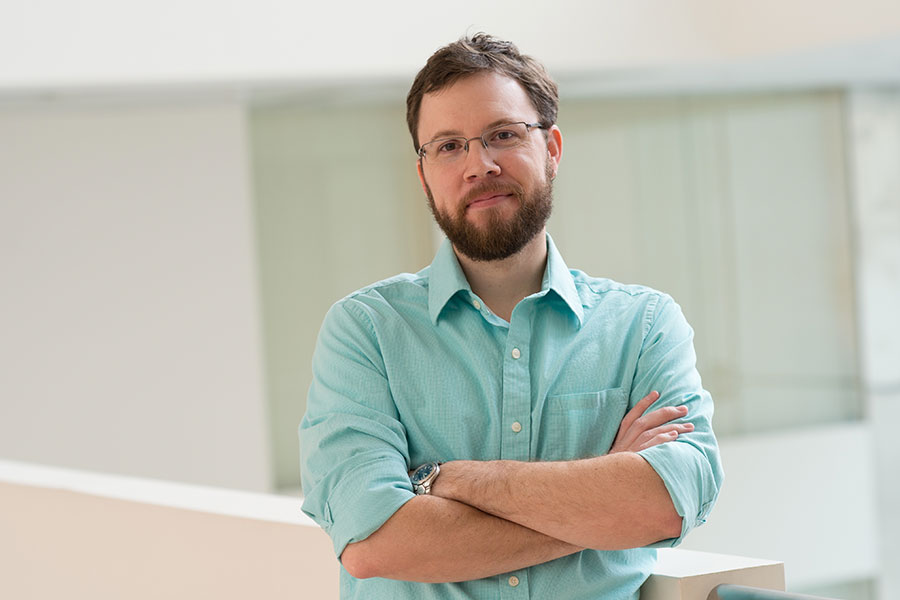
{"type": "Point", "coordinates": [874, 128]}
{"type": "Point", "coordinates": [59, 44]}
{"type": "Point", "coordinates": [806, 497]}
{"type": "Point", "coordinates": [131, 337]}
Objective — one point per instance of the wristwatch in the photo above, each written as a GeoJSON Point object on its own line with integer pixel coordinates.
{"type": "Point", "coordinates": [423, 478]}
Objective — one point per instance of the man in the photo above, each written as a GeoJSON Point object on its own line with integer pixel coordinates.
{"type": "Point", "coordinates": [490, 427]}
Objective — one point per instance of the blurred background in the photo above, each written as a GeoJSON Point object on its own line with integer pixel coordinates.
{"type": "Point", "coordinates": [185, 188]}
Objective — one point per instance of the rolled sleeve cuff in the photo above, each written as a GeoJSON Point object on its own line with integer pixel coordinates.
{"type": "Point", "coordinates": [366, 497]}
{"type": "Point", "coordinates": [690, 481]}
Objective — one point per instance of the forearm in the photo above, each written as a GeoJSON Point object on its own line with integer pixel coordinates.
{"type": "Point", "coordinates": [607, 503]}
{"type": "Point", "coordinates": [436, 540]}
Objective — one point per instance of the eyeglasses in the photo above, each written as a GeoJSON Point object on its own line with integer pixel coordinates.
{"type": "Point", "coordinates": [445, 151]}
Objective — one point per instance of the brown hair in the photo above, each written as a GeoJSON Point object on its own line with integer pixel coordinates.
{"type": "Point", "coordinates": [477, 54]}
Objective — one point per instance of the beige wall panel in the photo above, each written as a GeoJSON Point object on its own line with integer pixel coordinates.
{"type": "Point", "coordinates": [712, 241]}
{"type": "Point", "coordinates": [792, 258]}
{"type": "Point", "coordinates": [737, 207]}
{"type": "Point", "coordinates": [339, 206]}
{"type": "Point", "coordinates": [786, 173]}
{"type": "Point", "coordinates": [595, 216]}
{"type": "Point", "coordinates": [620, 197]}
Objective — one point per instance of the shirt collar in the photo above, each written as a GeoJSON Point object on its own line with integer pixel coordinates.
{"type": "Point", "coordinates": [558, 278]}
{"type": "Point", "coordinates": [447, 278]}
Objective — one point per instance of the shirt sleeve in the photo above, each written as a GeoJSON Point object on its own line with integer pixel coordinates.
{"type": "Point", "coordinates": [353, 448]}
{"type": "Point", "coordinates": [690, 467]}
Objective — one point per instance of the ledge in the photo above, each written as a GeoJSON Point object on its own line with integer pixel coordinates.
{"type": "Point", "coordinates": [76, 534]}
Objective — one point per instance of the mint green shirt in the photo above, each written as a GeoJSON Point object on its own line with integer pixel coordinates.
{"type": "Point", "coordinates": [416, 368]}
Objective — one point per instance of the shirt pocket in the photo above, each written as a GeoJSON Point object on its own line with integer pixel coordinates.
{"type": "Point", "coordinates": [580, 425]}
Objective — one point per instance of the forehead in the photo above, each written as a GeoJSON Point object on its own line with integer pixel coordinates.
{"type": "Point", "coordinates": [472, 103]}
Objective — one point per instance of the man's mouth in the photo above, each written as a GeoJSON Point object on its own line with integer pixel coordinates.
{"type": "Point", "coordinates": [487, 200]}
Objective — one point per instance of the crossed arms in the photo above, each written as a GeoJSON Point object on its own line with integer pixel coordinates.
{"type": "Point", "coordinates": [489, 517]}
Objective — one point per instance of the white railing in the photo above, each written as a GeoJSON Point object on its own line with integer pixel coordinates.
{"type": "Point", "coordinates": [73, 534]}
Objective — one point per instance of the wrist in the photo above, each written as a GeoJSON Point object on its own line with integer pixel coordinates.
{"type": "Point", "coordinates": [444, 486]}
{"type": "Point", "coordinates": [424, 477]}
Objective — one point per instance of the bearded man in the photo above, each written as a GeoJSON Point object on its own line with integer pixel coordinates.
{"type": "Point", "coordinates": [498, 425]}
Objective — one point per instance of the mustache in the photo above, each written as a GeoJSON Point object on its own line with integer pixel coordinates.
{"type": "Point", "coordinates": [492, 188]}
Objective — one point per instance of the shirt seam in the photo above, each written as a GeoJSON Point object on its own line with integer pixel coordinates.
{"type": "Point", "coordinates": [650, 318]}
{"type": "Point", "coordinates": [416, 280]}
{"type": "Point", "coordinates": [631, 290]}
{"type": "Point", "coordinates": [357, 310]}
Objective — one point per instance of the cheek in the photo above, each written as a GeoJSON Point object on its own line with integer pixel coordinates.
{"type": "Point", "coordinates": [528, 166]}
{"type": "Point", "coordinates": [441, 189]}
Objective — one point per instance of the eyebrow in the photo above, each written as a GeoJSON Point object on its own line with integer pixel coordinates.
{"type": "Point", "coordinates": [454, 133]}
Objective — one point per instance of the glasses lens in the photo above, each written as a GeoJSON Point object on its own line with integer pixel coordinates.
{"type": "Point", "coordinates": [444, 151]}
{"type": "Point", "coordinates": [506, 136]}
{"type": "Point", "coordinates": [448, 150]}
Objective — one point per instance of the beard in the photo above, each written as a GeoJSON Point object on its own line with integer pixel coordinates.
{"type": "Point", "coordinates": [499, 238]}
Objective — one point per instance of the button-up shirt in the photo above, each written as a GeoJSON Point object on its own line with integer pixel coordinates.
{"type": "Point", "coordinates": [417, 368]}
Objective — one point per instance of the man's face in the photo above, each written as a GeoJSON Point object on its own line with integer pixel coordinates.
{"type": "Point", "coordinates": [489, 204]}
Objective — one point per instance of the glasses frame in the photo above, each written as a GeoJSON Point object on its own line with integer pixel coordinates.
{"type": "Point", "coordinates": [528, 128]}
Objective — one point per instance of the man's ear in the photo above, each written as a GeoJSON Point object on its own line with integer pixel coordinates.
{"type": "Point", "coordinates": [421, 176]}
{"type": "Point", "coordinates": [554, 147]}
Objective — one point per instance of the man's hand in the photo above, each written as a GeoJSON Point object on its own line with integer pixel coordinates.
{"type": "Point", "coordinates": [639, 431]}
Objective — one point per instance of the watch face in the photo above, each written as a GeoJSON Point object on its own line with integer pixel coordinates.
{"type": "Point", "coordinates": [422, 473]}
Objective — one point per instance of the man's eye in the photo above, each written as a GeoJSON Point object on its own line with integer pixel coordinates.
{"type": "Point", "coordinates": [449, 146]}
{"type": "Point", "coordinates": [504, 136]}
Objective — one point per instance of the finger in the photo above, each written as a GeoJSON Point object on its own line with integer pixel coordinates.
{"type": "Point", "coordinates": [654, 437]}
{"type": "Point", "coordinates": [630, 427]}
{"type": "Point", "coordinates": [649, 421]}
{"type": "Point", "coordinates": [656, 440]}
{"type": "Point", "coordinates": [636, 412]}
{"type": "Point", "coordinates": [669, 429]}
{"type": "Point", "coordinates": [659, 416]}
{"type": "Point", "coordinates": [679, 427]}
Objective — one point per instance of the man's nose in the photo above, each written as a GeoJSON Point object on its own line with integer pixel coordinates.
{"type": "Point", "coordinates": [480, 161]}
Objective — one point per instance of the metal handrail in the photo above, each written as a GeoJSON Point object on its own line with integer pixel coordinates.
{"type": "Point", "coordinates": [727, 591]}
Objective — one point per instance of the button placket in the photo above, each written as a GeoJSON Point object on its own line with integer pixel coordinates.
{"type": "Point", "coordinates": [516, 412]}
{"type": "Point", "coordinates": [516, 419]}
{"type": "Point", "coordinates": [517, 398]}
{"type": "Point", "coordinates": [514, 585]}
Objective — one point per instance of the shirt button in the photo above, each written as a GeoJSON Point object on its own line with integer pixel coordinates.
{"type": "Point", "coordinates": [476, 304]}
{"type": "Point", "coordinates": [513, 581]}
{"type": "Point", "coordinates": [515, 353]}
{"type": "Point", "coordinates": [516, 426]}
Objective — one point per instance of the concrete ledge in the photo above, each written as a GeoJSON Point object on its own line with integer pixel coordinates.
{"type": "Point", "coordinates": [689, 575]}
{"type": "Point", "coordinates": [72, 534]}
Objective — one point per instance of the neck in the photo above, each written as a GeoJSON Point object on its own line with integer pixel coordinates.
{"type": "Point", "coordinates": [501, 284]}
